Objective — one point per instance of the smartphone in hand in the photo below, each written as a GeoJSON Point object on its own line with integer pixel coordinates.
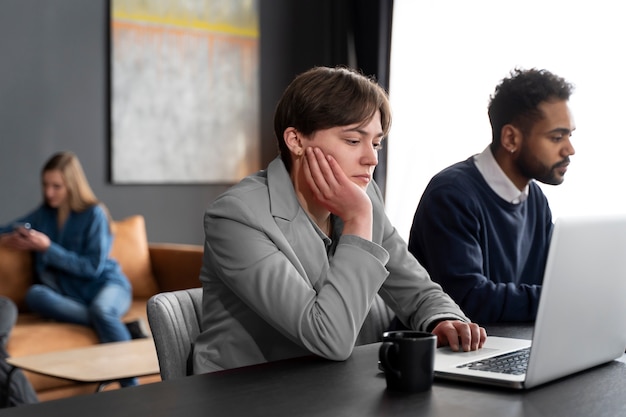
{"type": "Point", "coordinates": [19, 225]}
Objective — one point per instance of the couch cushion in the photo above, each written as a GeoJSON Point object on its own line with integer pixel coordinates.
{"type": "Point", "coordinates": [16, 274]}
{"type": "Point", "coordinates": [130, 249]}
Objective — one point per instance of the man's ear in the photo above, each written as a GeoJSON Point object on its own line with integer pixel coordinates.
{"type": "Point", "coordinates": [510, 138]}
{"type": "Point", "coordinates": [293, 140]}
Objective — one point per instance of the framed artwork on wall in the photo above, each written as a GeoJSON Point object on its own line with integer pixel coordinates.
{"type": "Point", "coordinates": [184, 91]}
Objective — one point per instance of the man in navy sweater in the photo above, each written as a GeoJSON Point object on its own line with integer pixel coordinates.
{"type": "Point", "coordinates": [483, 225]}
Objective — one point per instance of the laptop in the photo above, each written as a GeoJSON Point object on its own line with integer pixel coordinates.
{"type": "Point", "coordinates": [581, 319]}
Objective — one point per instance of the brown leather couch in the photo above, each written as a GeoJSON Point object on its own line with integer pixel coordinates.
{"type": "Point", "coordinates": [151, 268]}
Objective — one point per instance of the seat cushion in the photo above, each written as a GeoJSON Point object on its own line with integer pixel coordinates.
{"type": "Point", "coordinates": [130, 249]}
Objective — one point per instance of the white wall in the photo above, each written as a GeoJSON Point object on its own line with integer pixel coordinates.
{"type": "Point", "coordinates": [447, 57]}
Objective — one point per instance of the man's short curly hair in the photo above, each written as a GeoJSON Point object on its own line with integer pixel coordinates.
{"type": "Point", "coordinates": [516, 99]}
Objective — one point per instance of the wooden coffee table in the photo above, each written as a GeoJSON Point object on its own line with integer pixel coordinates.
{"type": "Point", "coordinates": [103, 363]}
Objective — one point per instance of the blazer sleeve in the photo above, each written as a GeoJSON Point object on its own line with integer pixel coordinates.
{"type": "Point", "coordinates": [318, 304]}
{"type": "Point", "coordinates": [409, 291]}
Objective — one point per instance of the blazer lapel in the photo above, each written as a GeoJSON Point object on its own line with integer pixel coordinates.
{"type": "Point", "coordinates": [302, 243]}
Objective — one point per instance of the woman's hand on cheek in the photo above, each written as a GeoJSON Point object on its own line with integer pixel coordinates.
{"type": "Point", "coordinates": [335, 191]}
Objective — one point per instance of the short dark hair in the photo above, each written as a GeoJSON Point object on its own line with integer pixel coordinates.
{"type": "Point", "coordinates": [516, 99]}
{"type": "Point", "coordinates": [324, 97]}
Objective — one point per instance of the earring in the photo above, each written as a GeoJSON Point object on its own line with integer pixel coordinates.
{"type": "Point", "coordinates": [513, 150]}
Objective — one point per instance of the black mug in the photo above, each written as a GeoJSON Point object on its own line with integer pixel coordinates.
{"type": "Point", "coordinates": [408, 360]}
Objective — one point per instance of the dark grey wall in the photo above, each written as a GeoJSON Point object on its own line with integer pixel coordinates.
{"type": "Point", "coordinates": [53, 96]}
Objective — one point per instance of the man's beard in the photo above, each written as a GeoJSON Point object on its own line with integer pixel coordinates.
{"type": "Point", "coordinates": [530, 167]}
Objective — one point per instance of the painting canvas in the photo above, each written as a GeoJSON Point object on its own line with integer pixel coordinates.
{"type": "Point", "coordinates": [184, 91]}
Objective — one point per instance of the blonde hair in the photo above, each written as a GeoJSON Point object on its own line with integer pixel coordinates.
{"type": "Point", "coordinates": [80, 194]}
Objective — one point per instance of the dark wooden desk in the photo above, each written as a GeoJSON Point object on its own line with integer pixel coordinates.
{"type": "Point", "coordinates": [316, 387]}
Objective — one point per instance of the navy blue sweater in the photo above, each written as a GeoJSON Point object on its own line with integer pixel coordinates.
{"type": "Point", "coordinates": [488, 254]}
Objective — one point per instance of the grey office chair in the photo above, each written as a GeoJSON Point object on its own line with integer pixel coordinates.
{"type": "Point", "coordinates": [174, 319]}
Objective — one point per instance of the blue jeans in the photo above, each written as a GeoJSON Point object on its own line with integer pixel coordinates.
{"type": "Point", "coordinates": [103, 314]}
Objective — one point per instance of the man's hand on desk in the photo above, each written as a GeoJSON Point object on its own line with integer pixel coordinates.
{"type": "Point", "coordinates": [460, 335]}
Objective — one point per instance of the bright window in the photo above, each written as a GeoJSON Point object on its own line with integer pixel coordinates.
{"type": "Point", "coordinates": [447, 57]}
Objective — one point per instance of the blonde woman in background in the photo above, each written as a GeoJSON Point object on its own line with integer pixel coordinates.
{"type": "Point", "coordinates": [70, 237]}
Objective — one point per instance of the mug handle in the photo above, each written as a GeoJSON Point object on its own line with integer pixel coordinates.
{"type": "Point", "coordinates": [383, 356]}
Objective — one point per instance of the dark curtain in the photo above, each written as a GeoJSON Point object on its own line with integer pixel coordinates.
{"type": "Point", "coordinates": [299, 34]}
{"type": "Point", "coordinates": [372, 47]}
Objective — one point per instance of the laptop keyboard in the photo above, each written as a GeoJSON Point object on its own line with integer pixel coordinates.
{"type": "Point", "coordinates": [514, 363]}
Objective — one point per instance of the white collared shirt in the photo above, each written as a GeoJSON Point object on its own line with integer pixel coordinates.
{"type": "Point", "coordinates": [497, 179]}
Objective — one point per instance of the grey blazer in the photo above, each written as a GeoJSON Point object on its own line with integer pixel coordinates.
{"type": "Point", "coordinates": [274, 287]}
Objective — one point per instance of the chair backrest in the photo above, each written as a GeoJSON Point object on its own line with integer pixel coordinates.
{"type": "Point", "coordinates": [174, 319]}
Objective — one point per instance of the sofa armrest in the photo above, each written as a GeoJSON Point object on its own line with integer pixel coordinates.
{"type": "Point", "coordinates": [176, 266]}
